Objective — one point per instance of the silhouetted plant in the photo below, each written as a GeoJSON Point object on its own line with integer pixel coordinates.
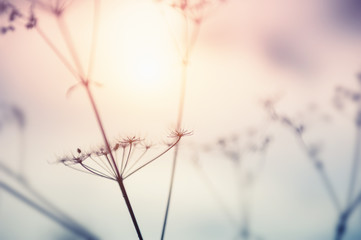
{"type": "Point", "coordinates": [9, 114]}
{"type": "Point", "coordinates": [57, 9]}
{"type": "Point", "coordinates": [194, 12]}
{"type": "Point", "coordinates": [98, 161]}
{"type": "Point", "coordinates": [239, 149]}
{"type": "Point", "coordinates": [313, 152]}
{"type": "Point", "coordinates": [343, 94]}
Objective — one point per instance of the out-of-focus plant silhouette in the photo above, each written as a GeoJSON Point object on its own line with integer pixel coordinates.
{"type": "Point", "coordinates": [247, 154]}
{"type": "Point", "coordinates": [240, 152]}
{"type": "Point", "coordinates": [14, 17]}
{"type": "Point", "coordinates": [353, 198]}
{"type": "Point", "coordinates": [12, 114]}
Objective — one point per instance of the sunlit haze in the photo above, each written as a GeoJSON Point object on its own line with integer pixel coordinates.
{"type": "Point", "coordinates": [270, 118]}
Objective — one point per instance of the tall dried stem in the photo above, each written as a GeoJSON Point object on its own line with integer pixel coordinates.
{"type": "Point", "coordinates": [85, 82]}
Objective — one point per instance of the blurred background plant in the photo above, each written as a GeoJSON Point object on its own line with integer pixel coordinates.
{"type": "Point", "coordinates": [247, 155]}
{"type": "Point", "coordinates": [26, 192]}
{"type": "Point", "coordinates": [344, 210]}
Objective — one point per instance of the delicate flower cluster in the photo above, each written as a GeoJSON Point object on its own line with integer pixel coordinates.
{"type": "Point", "coordinates": [342, 94]}
{"type": "Point", "coordinates": [298, 128]}
{"type": "Point", "coordinates": [234, 148]}
{"type": "Point", "coordinates": [55, 7]}
{"type": "Point", "coordinates": [312, 150]}
{"type": "Point", "coordinates": [196, 10]}
{"type": "Point", "coordinates": [124, 159]}
{"type": "Point", "coordinates": [13, 14]}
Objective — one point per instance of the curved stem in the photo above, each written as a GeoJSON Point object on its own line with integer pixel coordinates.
{"type": "Point", "coordinates": [64, 223]}
{"type": "Point", "coordinates": [54, 209]}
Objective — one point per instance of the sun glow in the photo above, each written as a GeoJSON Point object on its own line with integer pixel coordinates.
{"type": "Point", "coordinates": [146, 69]}
{"type": "Point", "coordinates": [144, 55]}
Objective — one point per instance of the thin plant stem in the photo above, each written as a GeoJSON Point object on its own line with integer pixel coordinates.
{"type": "Point", "coordinates": [22, 161]}
{"type": "Point", "coordinates": [175, 156]}
{"type": "Point", "coordinates": [119, 178]}
{"type": "Point", "coordinates": [128, 156]}
{"type": "Point", "coordinates": [245, 228]}
{"type": "Point", "coordinates": [155, 158]}
{"type": "Point", "coordinates": [23, 182]}
{"type": "Point", "coordinates": [95, 172]}
{"type": "Point", "coordinates": [172, 35]}
{"type": "Point", "coordinates": [111, 165]}
{"type": "Point", "coordinates": [123, 157]}
{"type": "Point", "coordinates": [344, 217]}
{"type": "Point", "coordinates": [94, 37]}
{"type": "Point", "coordinates": [194, 37]}
{"type": "Point", "coordinates": [170, 191]}
{"type": "Point", "coordinates": [52, 206]}
{"type": "Point", "coordinates": [57, 52]}
{"type": "Point", "coordinates": [64, 223]}
{"type": "Point", "coordinates": [324, 177]}
{"type": "Point", "coordinates": [136, 161]}
{"type": "Point", "coordinates": [315, 161]}
{"type": "Point", "coordinates": [185, 60]}
{"type": "Point", "coordinates": [69, 42]}
{"type": "Point", "coordinates": [355, 165]}
{"type": "Point", "coordinates": [104, 167]}
{"type": "Point", "coordinates": [85, 83]}
{"type": "Point", "coordinates": [179, 123]}
{"type": "Point", "coordinates": [207, 181]}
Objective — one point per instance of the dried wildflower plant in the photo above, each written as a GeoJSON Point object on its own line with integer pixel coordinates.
{"type": "Point", "coordinates": [101, 162]}
{"type": "Point", "coordinates": [247, 154]}
{"type": "Point", "coordinates": [129, 155]}
{"type": "Point", "coordinates": [194, 12]}
{"type": "Point", "coordinates": [234, 148]}
{"type": "Point", "coordinates": [342, 94]}
{"type": "Point", "coordinates": [312, 150]}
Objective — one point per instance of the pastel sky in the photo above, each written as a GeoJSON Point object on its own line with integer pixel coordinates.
{"type": "Point", "coordinates": [246, 52]}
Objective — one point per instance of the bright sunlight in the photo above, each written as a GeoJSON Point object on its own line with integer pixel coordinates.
{"type": "Point", "coordinates": [148, 56]}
